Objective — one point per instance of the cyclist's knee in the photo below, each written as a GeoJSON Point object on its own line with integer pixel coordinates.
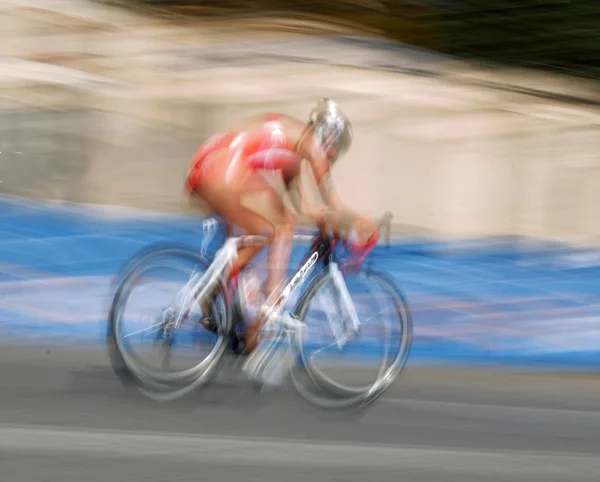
{"type": "Point", "coordinates": [269, 231]}
{"type": "Point", "coordinates": [286, 225]}
{"type": "Point", "coordinates": [291, 223]}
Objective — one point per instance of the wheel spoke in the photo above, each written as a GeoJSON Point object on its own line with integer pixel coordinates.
{"type": "Point", "coordinates": [166, 380]}
{"type": "Point", "coordinates": [395, 316]}
{"type": "Point", "coordinates": [143, 330]}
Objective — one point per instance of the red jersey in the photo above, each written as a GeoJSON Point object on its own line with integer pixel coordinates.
{"type": "Point", "coordinates": [266, 148]}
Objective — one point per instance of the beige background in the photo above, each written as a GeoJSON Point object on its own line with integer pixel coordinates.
{"type": "Point", "coordinates": [448, 156]}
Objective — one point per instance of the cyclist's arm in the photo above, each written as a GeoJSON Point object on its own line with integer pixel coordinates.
{"type": "Point", "coordinates": [297, 193]}
{"type": "Point", "coordinates": [337, 212]}
{"type": "Point", "coordinates": [340, 215]}
{"type": "Point", "coordinates": [295, 185]}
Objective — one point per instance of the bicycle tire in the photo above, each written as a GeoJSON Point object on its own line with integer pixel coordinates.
{"type": "Point", "coordinates": [163, 386]}
{"type": "Point", "coordinates": [337, 395]}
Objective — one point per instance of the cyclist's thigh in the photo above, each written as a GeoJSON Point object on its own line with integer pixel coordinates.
{"type": "Point", "coordinates": [225, 197]}
{"type": "Point", "coordinates": [260, 196]}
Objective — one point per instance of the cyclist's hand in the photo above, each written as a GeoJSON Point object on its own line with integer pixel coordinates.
{"type": "Point", "coordinates": [340, 222]}
{"type": "Point", "coordinates": [365, 227]}
{"type": "Point", "coordinates": [321, 217]}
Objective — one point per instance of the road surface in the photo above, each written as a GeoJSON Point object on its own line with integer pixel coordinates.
{"type": "Point", "coordinates": [64, 417]}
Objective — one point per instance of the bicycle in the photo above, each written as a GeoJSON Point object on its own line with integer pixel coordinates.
{"type": "Point", "coordinates": [271, 362]}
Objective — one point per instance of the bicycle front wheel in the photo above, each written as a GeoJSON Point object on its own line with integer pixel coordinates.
{"type": "Point", "coordinates": [170, 325]}
{"type": "Point", "coordinates": [386, 333]}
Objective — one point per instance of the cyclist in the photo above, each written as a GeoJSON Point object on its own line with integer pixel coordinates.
{"type": "Point", "coordinates": [228, 167]}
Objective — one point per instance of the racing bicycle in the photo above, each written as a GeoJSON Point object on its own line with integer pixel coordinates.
{"type": "Point", "coordinates": [287, 350]}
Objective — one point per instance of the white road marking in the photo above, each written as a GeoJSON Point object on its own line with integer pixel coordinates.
{"type": "Point", "coordinates": [272, 451]}
{"type": "Point", "coordinates": [473, 408]}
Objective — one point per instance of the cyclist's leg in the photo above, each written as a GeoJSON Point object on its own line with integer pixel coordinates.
{"type": "Point", "coordinates": [253, 223]}
{"type": "Point", "coordinates": [226, 180]}
{"type": "Point", "coordinates": [278, 259]}
{"type": "Point", "coordinates": [249, 221]}
{"type": "Point", "coordinates": [224, 196]}
{"type": "Point", "coordinates": [279, 233]}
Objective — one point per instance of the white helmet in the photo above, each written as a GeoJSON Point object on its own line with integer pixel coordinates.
{"type": "Point", "coordinates": [332, 129]}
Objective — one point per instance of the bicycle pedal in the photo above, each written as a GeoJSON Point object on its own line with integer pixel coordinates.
{"type": "Point", "coordinates": [236, 344]}
{"type": "Point", "coordinates": [207, 324]}
{"type": "Point", "coordinates": [269, 366]}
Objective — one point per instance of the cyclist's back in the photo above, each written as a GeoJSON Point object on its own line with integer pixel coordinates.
{"type": "Point", "coordinates": [265, 142]}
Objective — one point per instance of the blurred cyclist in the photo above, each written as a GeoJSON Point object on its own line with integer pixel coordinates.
{"type": "Point", "coordinates": [227, 167]}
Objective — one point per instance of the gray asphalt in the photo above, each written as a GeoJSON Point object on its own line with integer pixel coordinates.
{"type": "Point", "coordinates": [64, 417]}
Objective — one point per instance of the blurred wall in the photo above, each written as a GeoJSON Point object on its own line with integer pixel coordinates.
{"type": "Point", "coordinates": [447, 157]}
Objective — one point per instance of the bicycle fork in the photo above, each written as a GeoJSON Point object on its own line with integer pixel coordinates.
{"type": "Point", "coordinates": [344, 307]}
{"type": "Point", "coordinates": [272, 369]}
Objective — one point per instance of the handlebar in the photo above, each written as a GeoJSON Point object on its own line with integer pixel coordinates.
{"type": "Point", "coordinates": [384, 222]}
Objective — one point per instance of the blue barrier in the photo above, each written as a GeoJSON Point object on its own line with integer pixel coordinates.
{"type": "Point", "coordinates": [501, 301]}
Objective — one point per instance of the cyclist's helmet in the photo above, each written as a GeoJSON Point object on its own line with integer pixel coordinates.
{"type": "Point", "coordinates": [332, 129]}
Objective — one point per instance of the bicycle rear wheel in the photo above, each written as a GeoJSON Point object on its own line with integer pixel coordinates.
{"type": "Point", "coordinates": [167, 331]}
{"type": "Point", "coordinates": [397, 331]}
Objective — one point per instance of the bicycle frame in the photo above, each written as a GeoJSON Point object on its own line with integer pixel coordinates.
{"type": "Point", "coordinates": [321, 250]}
{"type": "Point", "coordinates": [225, 259]}
{"type": "Point", "coordinates": [289, 325]}
{"type": "Point", "coordinates": [273, 370]}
